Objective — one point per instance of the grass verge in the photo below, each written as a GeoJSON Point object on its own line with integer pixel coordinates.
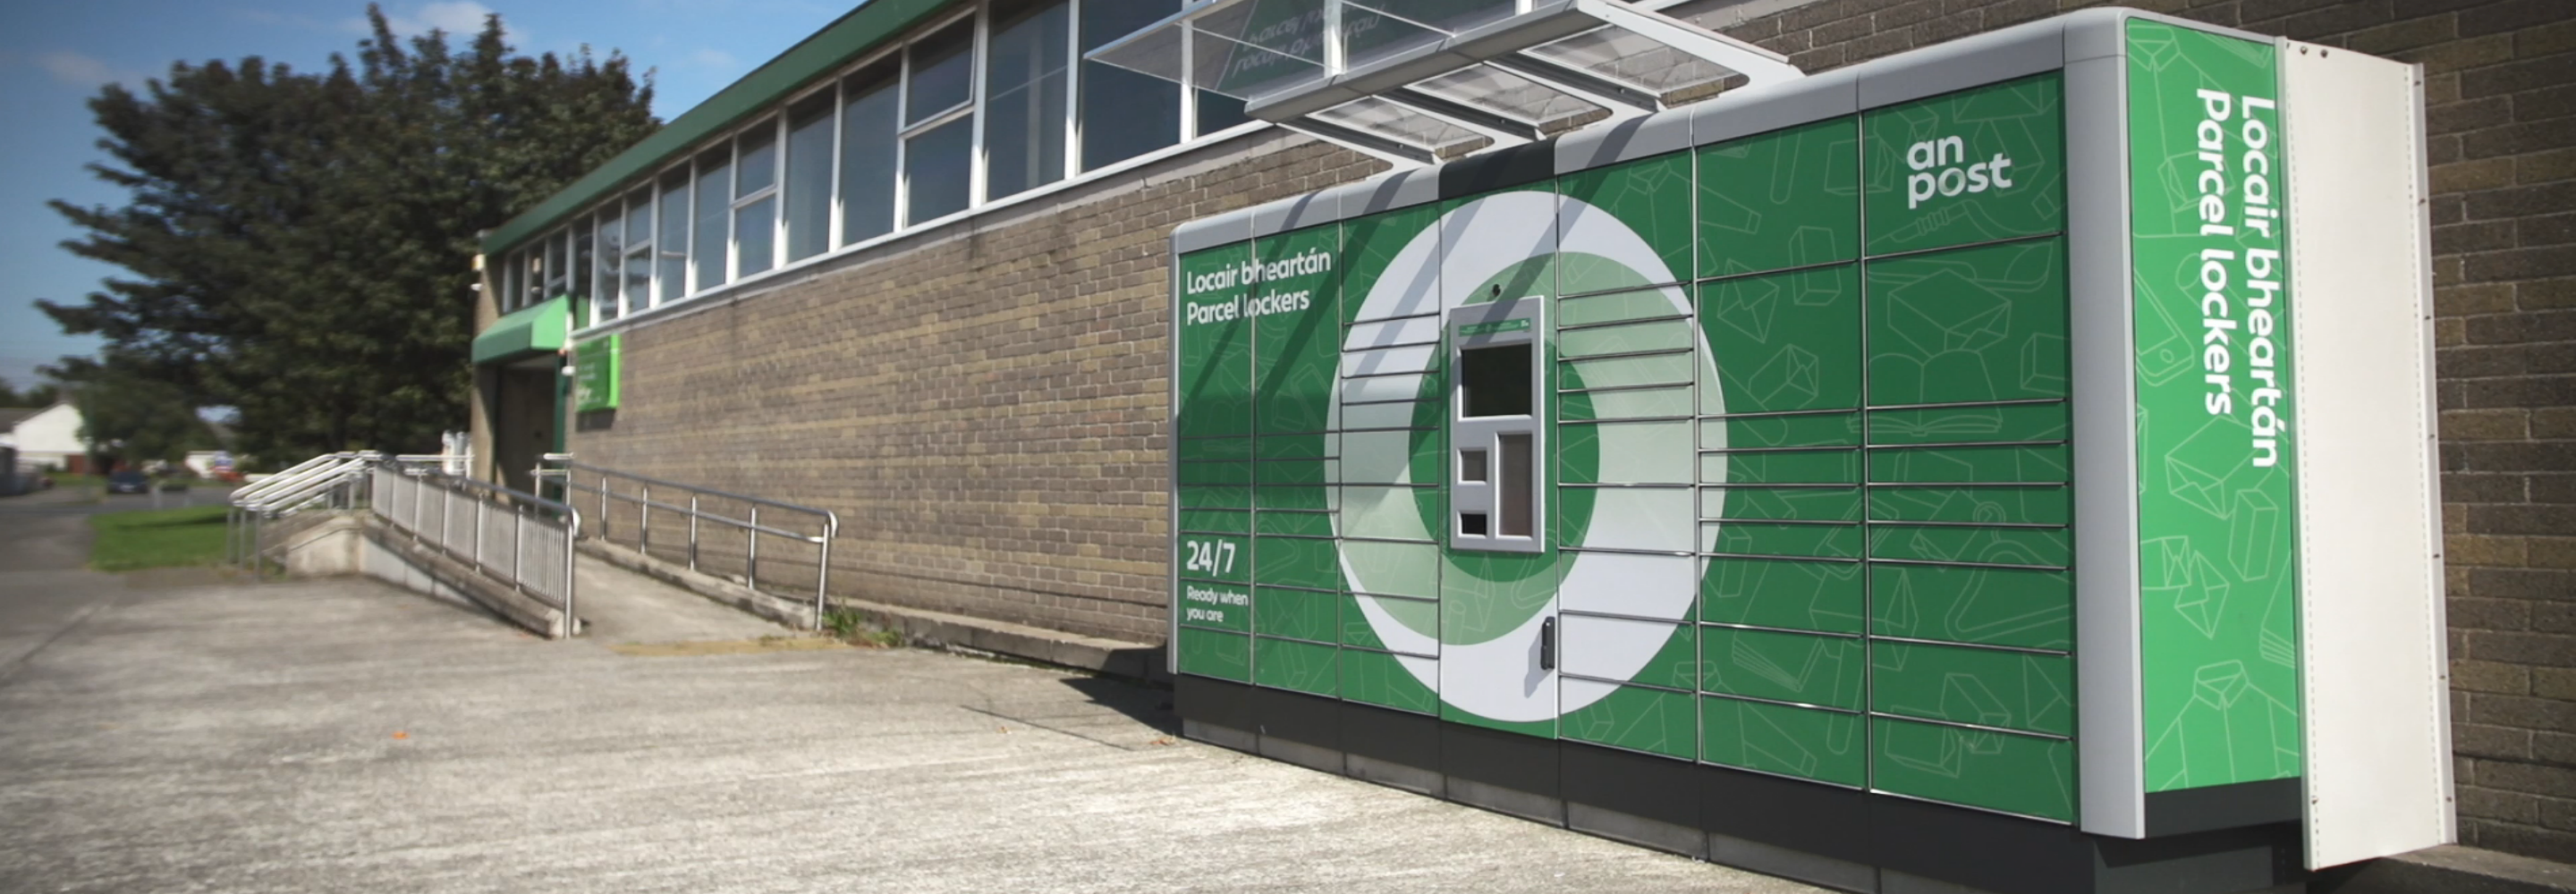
{"type": "Point", "coordinates": [157, 538]}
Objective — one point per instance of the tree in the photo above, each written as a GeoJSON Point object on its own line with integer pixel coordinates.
{"type": "Point", "coordinates": [42, 394]}
{"type": "Point", "coordinates": [131, 416]}
{"type": "Point", "coordinates": [299, 242]}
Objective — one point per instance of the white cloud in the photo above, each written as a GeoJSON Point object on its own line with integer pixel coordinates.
{"type": "Point", "coordinates": [77, 70]}
{"type": "Point", "coordinates": [715, 59]}
{"type": "Point", "coordinates": [459, 18]}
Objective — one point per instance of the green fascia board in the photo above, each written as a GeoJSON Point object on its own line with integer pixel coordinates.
{"type": "Point", "coordinates": [537, 329]}
{"type": "Point", "coordinates": [852, 35]}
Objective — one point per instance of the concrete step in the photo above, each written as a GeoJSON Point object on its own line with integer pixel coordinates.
{"type": "Point", "coordinates": [2450, 869]}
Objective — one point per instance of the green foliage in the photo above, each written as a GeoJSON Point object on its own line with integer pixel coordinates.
{"type": "Point", "coordinates": [42, 394]}
{"type": "Point", "coordinates": [157, 538]}
{"type": "Point", "coordinates": [300, 242]}
{"type": "Point", "coordinates": [851, 626]}
{"type": "Point", "coordinates": [130, 415]}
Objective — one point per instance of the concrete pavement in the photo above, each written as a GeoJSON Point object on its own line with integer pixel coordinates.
{"type": "Point", "coordinates": [341, 735]}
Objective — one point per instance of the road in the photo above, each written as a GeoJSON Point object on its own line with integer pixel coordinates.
{"type": "Point", "coordinates": [172, 733]}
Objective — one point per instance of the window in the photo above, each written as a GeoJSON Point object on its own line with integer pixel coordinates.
{"type": "Point", "coordinates": [980, 108]}
{"type": "Point", "coordinates": [707, 236]}
{"type": "Point", "coordinates": [1124, 113]}
{"type": "Point", "coordinates": [1024, 108]}
{"type": "Point", "coordinates": [943, 72]}
{"type": "Point", "coordinates": [870, 101]}
{"type": "Point", "coordinates": [755, 199]}
{"type": "Point", "coordinates": [939, 156]}
{"type": "Point", "coordinates": [939, 169]}
{"type": "Point", "coordinates": [671, 238]}
{"type": "Point", "coordinates": [558, 276]}
{"type": "Point", "coordinates": [508, 283]}
{"type": "Point", "coordinates": [1218, 111]}
{"type": "Point", "coordinates": [639, 250]}
{"type": "Point", "coordinates": [611, 253]}
{"type": "Point", "coordinates": [577, 274]}
{"type": "Point", "coordinates": [809, 177]}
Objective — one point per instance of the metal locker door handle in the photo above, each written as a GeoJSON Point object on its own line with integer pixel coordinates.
{"type": "Point", "coordinates": [1547, 644]}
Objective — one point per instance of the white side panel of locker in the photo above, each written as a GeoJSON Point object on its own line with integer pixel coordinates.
{"type": "Point", "coordinates": [2370, 568]}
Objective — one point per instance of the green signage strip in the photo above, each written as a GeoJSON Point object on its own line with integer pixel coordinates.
{"type": "Point", "coordinates": [2217, 555]}
{"type": "Point", "coordinates": [596, 370]}
{"type": "Point", "coordinates": [536, 329]}
{"type": "Point", "coordinates": [1519, 325]}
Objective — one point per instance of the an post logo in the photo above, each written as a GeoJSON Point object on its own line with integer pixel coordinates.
{"type": "Point", "coordinates": [1941, 169]}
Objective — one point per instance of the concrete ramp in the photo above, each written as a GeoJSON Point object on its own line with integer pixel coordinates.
{"type": "Point", "coordinates": [620, 606]}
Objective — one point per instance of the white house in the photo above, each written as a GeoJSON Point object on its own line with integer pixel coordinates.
{"type": "Point", "coordinates": [47, 437]}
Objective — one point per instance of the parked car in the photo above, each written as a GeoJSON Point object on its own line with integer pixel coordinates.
{"type": "Point", "coordinates": [129, 483]}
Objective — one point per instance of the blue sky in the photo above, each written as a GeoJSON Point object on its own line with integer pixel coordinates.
{"type": "Point", "coordinates": [54, 56]}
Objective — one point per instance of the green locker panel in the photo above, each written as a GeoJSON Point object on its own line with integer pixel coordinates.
{"type": "Point", "coordinates": [1298, 614]}
{"type": "Point", "coordinates": [1973, 166]}
{"type": "Point", "coordinates": [2029, 609]}
{"type": "Point", "coordinates": [1653, 198]}
{"type": "Point", "coordinates": [2032, 505]}
{"type": "Point", "coordinates": [1637, 718]}
{"type": "Point", "coordinates": [1296, 328]}
{"type": "Point", "coordinates": [2040, 547]}
{"type": "Point", "coordinates": [1972, 465]}
{"type": "Point", "coordinates": [1419, 615]}
{"type": "Point", "coordinates": [1382, 679]}
{"type": "Point", "coordinates": [1814, 541]}
{"type": "Point", "coordinates": [1211, 653]}
{"type": "Point", "coordinates": [1369, 244]}
{"type": "Point", "coordinates": [1969, 424]}
{"type": "Point", "coordinates": [1790, 430]}
{"type": "Point", "coordinates": [1987, 687]}
{"type": "Point", "coordinates": [1969, 325]}
{"type": "Point", "coordinates": [1754, 503]}
{"type": "Point", "coordinates": [1215, 521]}
{"type": "Point", "coordinates": [1799, 668]}
{"type": "Point", "coordinates": [1789, 198]}
{"type": "Point", "coordinates": [1215, 350]}
{"type": "Point", "coordinates": [1216, 557]}
{"type": "Point", "coordinates": [1783, 341]}
{"type": "Point", "coordinates": [1788, 594]}
{"type": "Point", "coordinates": [1289, 664]}
{"type": "Point", "coordinates": [1836, 466]}
{"type": "Point", "coordinates": [1808, 743]}
{"type": "Point", "coordinates": [1302, 562]}
{"type": "Point", "coordinates": [1216, 606]}
{"type": "Point", "coordinates": [2027, 775]}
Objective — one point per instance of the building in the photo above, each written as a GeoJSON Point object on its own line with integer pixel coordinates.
{"type": "Point", "coordinates": [48, 438]}
{"type": "Point", "coordinates": [917, 270]}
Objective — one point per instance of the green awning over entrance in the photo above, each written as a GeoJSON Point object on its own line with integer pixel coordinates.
{"type": "Point", "coordinates": [536, 329]}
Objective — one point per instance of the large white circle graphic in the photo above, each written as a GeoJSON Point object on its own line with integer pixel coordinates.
{"type": "Point", "coordinates": [1435, 272]}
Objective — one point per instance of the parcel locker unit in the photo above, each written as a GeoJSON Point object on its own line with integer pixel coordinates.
{"type": "Point", "coordinates": [2007, 463]}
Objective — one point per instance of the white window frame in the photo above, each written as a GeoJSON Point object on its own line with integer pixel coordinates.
{"type": "Point", "coordinates": [660, 295]}
{"type": "Point", "coordinates": [776, 189]}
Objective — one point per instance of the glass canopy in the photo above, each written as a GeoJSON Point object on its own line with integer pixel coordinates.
{"type": "Point", "coordinates": [1420, 81]}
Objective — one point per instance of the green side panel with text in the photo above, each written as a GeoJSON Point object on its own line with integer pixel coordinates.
{"type": "Point", "coordinates": [2217, 552]}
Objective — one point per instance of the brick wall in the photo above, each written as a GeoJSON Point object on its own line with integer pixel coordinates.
{"type": "Point", "coordinates": [983, 404]}
{"type": "Point", "coordinates": [2500, 96]}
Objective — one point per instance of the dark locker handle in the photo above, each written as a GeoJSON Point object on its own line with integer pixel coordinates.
{"type": "Point", "coordinates": [1547, 644]}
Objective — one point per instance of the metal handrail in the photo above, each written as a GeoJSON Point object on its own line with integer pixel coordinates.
{"type": "Point", "coordinates": [284, 493]}
{"type": "Point", "coordinates": [565, 467]}
{"type": "Point", "coordinates": [309, 487]}
{"type": "Point", "coordinates": [292, 475]}
{"type": "Point", "coordinates": [488, 494]}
